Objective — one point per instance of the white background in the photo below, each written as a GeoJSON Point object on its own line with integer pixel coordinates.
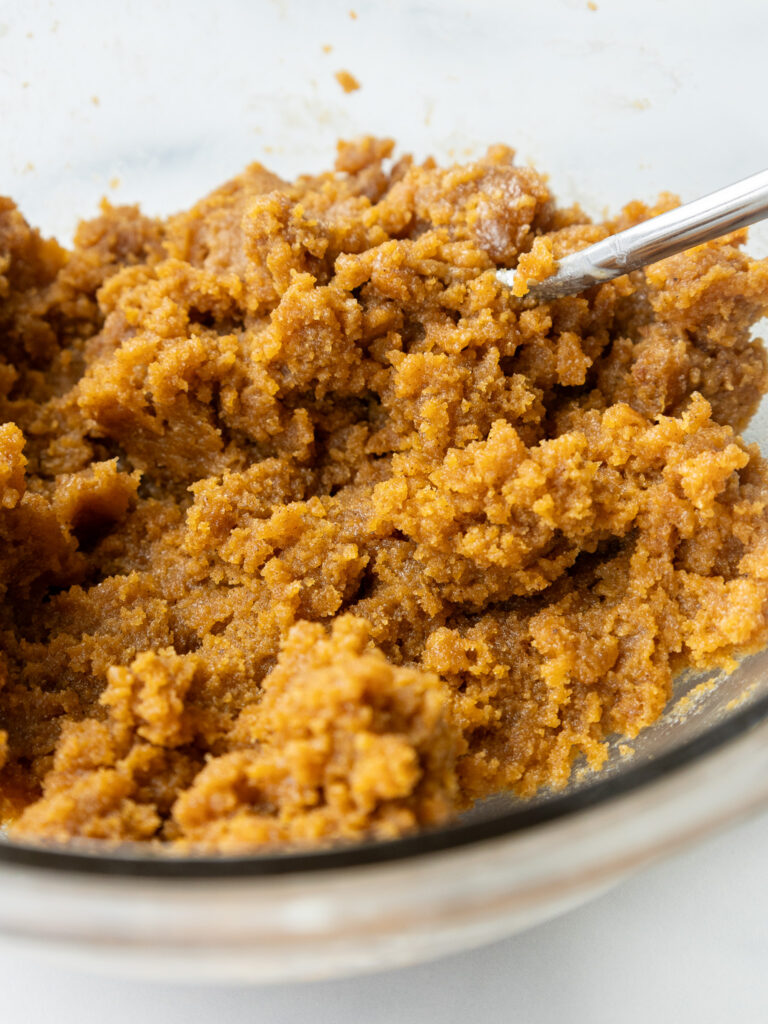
{"type": "Point", "coordinates": [685, 942]}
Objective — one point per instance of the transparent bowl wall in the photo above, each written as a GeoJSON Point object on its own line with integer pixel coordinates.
{"type": "Point", "coordinates": [158, 103]}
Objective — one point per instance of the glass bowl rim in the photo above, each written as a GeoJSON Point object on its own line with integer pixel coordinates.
{"type": "Point", "coordinates": [128, 860]}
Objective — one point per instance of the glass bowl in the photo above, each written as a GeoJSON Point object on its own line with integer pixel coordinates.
{"type": "Point", "coordinates": [159, 103]}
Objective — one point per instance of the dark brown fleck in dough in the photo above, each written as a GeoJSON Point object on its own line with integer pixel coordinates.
{"type": "Point", "coordinates": [311, 530]}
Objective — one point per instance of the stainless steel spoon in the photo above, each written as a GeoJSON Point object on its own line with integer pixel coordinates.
{"type": "Point", "coordinates": [728, 209]}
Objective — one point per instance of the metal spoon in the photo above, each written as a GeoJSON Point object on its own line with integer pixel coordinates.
{"type": "Point", "coordinates": [728, 209]}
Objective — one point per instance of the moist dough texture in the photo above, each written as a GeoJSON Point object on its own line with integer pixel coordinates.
{"type": "Point", "coordinates": [313, 531]}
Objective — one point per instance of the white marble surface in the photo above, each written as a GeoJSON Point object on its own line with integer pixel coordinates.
{"type": "Point", "coordinates": [686, 941]}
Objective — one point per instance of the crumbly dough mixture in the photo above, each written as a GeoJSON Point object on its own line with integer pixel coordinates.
{"type": "Point", "coordinates": [311, 530]}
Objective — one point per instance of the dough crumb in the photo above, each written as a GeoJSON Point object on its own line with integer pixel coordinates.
{"type": "Point", "coordinates": [347, 81]}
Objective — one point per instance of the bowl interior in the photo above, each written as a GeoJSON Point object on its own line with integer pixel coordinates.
{"type": "Point", "coordinates": [95, 101]}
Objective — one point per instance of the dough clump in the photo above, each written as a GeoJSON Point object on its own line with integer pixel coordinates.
{"type": "Point", "coordinates": [312, 531]}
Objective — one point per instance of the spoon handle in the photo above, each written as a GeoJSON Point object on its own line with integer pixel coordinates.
{"type": "Point", "coordinates": [727, 209]}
